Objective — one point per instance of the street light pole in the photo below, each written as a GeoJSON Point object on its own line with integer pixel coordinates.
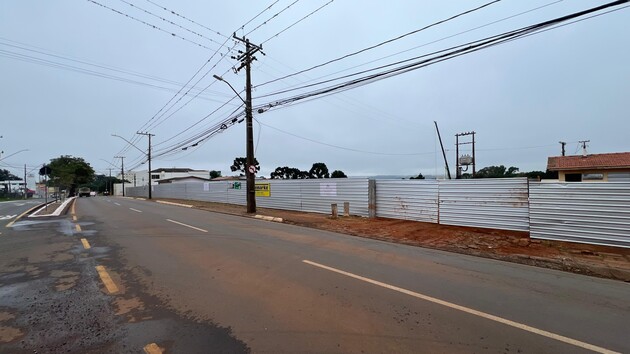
{"type": "Point", "coordinates": [122, 171]}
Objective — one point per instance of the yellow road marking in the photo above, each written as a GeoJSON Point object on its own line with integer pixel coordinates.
{"type": "Point", "coordinates": [181, 223]}
{"type": "Point", "coordinates": [152, 349]}
{"type": "Point", "coordinates": [85, 243]}
{"type": "Point", "coordinates": [501, 320]}
{"type": "Point", "coordinates": [74, 218]}
{"type": "Point", "coordinates": [21, 215]}
{"type": "Point", "coordinates": [106, 279]}
{"type": "Point", "coordinates": [78, 227]}
{"type": "Point", "coordinates": [73, 207]}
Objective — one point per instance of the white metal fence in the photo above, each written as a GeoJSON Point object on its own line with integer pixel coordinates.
{"type": "Point", "coordinates": [301, 195]}
{"type": "Point", "coordinates": [407, 199]}
{"type": "Point", "coordinates": [595, 213]}
{"type": "Point", "coordinates": [499, 203]}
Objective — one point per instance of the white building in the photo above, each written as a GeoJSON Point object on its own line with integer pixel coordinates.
{"type": "Point", "coordinates": [141, 178]}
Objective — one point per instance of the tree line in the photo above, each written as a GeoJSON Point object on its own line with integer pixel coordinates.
{"type": "Point", "coordinates": [318, 170]}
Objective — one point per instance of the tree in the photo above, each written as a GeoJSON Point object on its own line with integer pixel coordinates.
{"type": "Point", "coordinates": [288, 173]}
{"type": "Point", "coordinates": [104, 183]}
{"type": "Point", "coordinates": [338, 174]}
{"type": "Point", "coordinates": [5, 175]}
{"type": "Point", "coordinates": [240, 165]}
{"type": "Point", "coordinates": [419, 176]}
{"type": "Point", "coordinates": [69, 172]}
{"type": "Point", "coordinates": [540, 174]}
{"type": "Point", "coordinates": [319, 170]}
{"type": "Point", "coordinates": [215, 174]}
{"type": "Point", "coordinates": [496, 172]}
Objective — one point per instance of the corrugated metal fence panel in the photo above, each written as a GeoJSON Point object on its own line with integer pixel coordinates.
{"type": "Point", "coordinates": [594, 213]}
{"type": "Point", "coordinates": [500, 203]}
{"type": "Point", "coordinates": [284, 194]}
{"type": "Point", "coordinates": [318, 195]}
{"type": "Point", "coordinates": [407, 199]}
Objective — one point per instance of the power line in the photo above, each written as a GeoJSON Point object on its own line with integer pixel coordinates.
{"type": "Point", "coordinates": [187, 19]}
{"type": "Point", "coordinates": [341, 147]}
{"type": "Point", "coordinates": [422, 45]}
{"type": "Point", "coordinates": [151, 25]}
{"type": "Point", "coordinates": [272, 17]}
{"type": "Point", "coordinates": [382, 43]}
{"type": "Point", "coordinates": [445, 55]}
{"type": "Point", "coordinates": [171, 22]}
{"type": "Point", "coordinates": [300, 20]}
{"type": "Point", "coordinates": [260, 13]}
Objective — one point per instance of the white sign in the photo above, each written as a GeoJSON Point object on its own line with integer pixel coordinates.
{"type": "Point", "coordinates": [206, 186]}
{"type": "Point", "coordinates": [252, 169]}
{"type": "Point", "coordinates": [328, 189]}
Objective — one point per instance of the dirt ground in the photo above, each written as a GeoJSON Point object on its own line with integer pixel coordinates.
{"type": "Point", "coordinates": [512, 246]}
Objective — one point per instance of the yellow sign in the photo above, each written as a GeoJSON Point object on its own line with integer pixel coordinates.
{"type": "Point", "coordinates": [263, 189]}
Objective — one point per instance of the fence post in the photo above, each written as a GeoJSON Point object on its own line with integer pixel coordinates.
{"type": "Point", "coordinates": [333, 208]}
{"type": "Point", "coordinates": [346, 208]}
{"type": "Point", "coordinates": [371, 198]}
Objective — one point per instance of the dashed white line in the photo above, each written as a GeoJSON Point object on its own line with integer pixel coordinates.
{"type": "Point", "coordinates": [182, 224]}
{"type": "Point", "coordinates": [474, 312]}
{"type": "Point", "coordinates": [117, 203]}
{"type": "Point", "coordinates": [136, 210]}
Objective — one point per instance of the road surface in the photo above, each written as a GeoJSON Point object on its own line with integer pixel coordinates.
{"type": "Point", "coordinates": [119, 275]}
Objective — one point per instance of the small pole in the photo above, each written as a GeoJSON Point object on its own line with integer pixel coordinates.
{"type": "Point", "coordinates": [333, 208]}
{"type": "Point", "coordinates": [346, 208]}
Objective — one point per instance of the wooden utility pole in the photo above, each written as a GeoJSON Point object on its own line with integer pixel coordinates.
{"type": "Point", "coordinates": [246, 59]}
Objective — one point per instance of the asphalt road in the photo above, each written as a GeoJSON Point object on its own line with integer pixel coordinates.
{"type": "Point", "coordinates": [191, 281]}
{"type": "Point", "coordinates": [11, 209]}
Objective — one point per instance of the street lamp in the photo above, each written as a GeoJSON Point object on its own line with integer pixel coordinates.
{"type": "Point", "coordinates": [148, 154]}
{"type": "Point", "coordinates": [13, 154]}
{"type": "Point", "coordinates": [250, 166]}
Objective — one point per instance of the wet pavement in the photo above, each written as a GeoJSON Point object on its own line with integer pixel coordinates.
{"type": "Point", "coordinates": [52, 300]}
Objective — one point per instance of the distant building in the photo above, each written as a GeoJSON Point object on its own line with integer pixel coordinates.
{"type": "Point", "coordinates": [611, 167]}
{"type": "Point", "coordinates": [185, 179]}
{"type": "Point", "coordinates": [141, 178]}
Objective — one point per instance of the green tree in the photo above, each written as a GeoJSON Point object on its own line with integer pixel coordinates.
{"type": "Point", "coordinates": [540, 174]}
{"type": "Point", "coordinates": [240, 163]}
{"type": "Point", "coordinates": [103, 183]}
{"type": "Point", "coordinates": [419, 176]}
{"type": "Point", "coordinates": [288, 173]}
{"type": "Point", "coordinates": [5, 175]}
{"type": "Point", "coordinates": [497, 172]}
{"type": "Point", "coordinates": [338, 174]}
{"type": "Point", "coordinates": [319, 170]}
{"type": "Point", "coordinates": [215, 174]}
{"type": "Point", "coordinates": [69, 172]}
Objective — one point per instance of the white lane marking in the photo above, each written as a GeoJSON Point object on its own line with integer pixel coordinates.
{"type": "Point", "coordinates": [181, 223]}
{"type": "Point", "coordinates": [7, 217]}
{"type": "Point", "coordinates": [488, 316]}
{"type": "Point", "coordinates": [136, 210]}
{"type": "Point", "coordinates": [117, 203]}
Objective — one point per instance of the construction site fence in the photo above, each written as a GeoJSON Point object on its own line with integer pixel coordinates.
{"type": "Point", "coordinates": [594, 213]}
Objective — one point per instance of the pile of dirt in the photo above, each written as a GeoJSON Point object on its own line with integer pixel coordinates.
{"type": "Point", "coordinates": [513, 246]}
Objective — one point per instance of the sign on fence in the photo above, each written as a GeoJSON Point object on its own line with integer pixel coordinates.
{"type": "Point", "coordinates": [263, 189]}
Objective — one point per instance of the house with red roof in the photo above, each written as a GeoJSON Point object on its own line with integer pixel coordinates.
{"type": "Point", "coordinates": [611, 167]}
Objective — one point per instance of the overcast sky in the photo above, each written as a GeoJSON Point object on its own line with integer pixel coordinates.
{"type": "Point", "coordinates": [73, 73]}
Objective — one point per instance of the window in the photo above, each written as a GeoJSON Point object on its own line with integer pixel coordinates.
{"type": "Point", "coordinates": [573, 177]}
{"type": "Point", "coordinates": [155, 176]}
{"type": "Point", "coordinates": [592, 177]}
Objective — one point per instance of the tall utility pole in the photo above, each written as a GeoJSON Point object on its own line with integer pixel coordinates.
{"type": "Point", "coordinates": [563, 145]}
{"type": "Point", "coordinates": [109, 182]}
{"type": "Point", "coordinates": [246, 59]}
{"type": "Point", "coordinates": [583, 142]}
{"type": "Point", "coordinates": [122, 171]}
{"type": "Point", "coordinates": [25, 181]}
{"type": "Point", "coordinates": [148, 158]}
{"type": "Point", "coordinates": [448, 171]}
{"type": "Point", "coordinates": [460, 161]}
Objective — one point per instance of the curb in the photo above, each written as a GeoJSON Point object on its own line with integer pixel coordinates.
{"type": "Point", "coordinates": [10, 224]}
{"type": "Point", "coordinates": [268, 218]}
{"type": "Point", "coordinates": [57, 211]}
{"type": "Point", "coordinates": [177, 204]}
